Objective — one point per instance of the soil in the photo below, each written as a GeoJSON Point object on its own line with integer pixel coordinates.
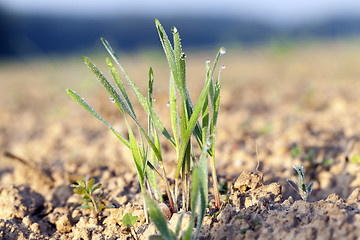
{"type": "Point", "coordinates": [272, 103]}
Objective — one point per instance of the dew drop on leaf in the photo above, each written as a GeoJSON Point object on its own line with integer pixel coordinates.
{"type": "Point", "coordinates": [174, 30]}
{"type": "Point", "coordinates": [112, 99]}
{"type": "Point", "coordinates": [222, 51]}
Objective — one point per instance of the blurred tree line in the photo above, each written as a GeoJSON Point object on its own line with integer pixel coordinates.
{"type": "Point", "coordinates": [34, 35]}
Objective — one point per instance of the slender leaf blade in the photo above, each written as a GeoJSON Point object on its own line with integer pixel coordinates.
{"type": "Point", "coordinates": [92, 111]}
{"type": "Point", "coordinates": [120, 85]}
{"type": "Point", "coordinates": [143, 101]}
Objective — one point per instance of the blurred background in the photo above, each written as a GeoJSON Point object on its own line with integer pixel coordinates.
{"type": "Point", "coordinates": [42, 27]}
{"type": "Point", "coordinates": [291, 79]}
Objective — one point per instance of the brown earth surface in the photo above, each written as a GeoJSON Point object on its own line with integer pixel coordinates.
{"type": "Point", "coordinates": [273, 100]}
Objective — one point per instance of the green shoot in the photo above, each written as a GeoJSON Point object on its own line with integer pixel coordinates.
{"type": "Point", "coordinates": [301, 187]}
{"type": "Point", "coordinates": [129, 221]}
{"type": "Point", "coordinates": [90, 200]}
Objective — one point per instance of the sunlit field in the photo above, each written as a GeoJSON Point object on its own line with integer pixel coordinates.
{"type": "Point", "coordinates": [274, 98]}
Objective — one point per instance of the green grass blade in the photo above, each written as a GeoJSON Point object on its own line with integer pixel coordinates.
{"type": "Point", "coordinates": [151, 87]}
{"type": "Point", "coordinates": [143, 101]}
{"type": "Point", "coordinates": [176, 60]}
{"type": "Point", "coordinates": [111, 90]}
{"type": "Point", "coordinates": [120, 84]}
{"type": "Point", "coordinates": [179, 57]}
{"type": "Point", "coordinates": [199, 190]}
{"type": "Point", "coordinates": [150, 165]}
{"type": "Point", "coordinates": [174, 113]}
{"type": "Point", "coordinates": [221, 51]}
{"type": "Point", "coordinates": [136, 155]}
{"type": "Point", "coordinates": [194, 196]}
{"type": "Point", "coordinates": [170, 55]}
{"type": "Point", "coordinates": [158, 218]}
{"type": "Point", "coordinates": [203, 190]}
{"type": "Point", "coordinates": [88, 108]}
{"type": "Point", "coordinates": [121, 104]}
{"type": "Point", "coordinates": [205, 119]}
{"type": "Point", "coordinates": [191, 124]}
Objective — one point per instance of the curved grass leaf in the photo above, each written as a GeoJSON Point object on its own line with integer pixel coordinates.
{"type": "Point", "coordinates": [143, 101]}
{"type": "Point", "coordinates": [191, 125]}
{"type": "Point", "coordinates": [136, 156]}
{"type": "Point", "coordinates": [121, 104]}
{"type": "Point", "coordinates": [120, 84]}
{"type": "Point", "coordinates": [174, 113]}
{"type": "Point", "coordinates": [88, 108]}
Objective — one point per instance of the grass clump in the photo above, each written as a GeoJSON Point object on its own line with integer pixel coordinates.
{"type": "Point", "coordinates": [190, 123]}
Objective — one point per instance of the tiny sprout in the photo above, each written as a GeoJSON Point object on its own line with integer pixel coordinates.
{"type": "Point", "coordinates": [301, 187]}
{"type": "Point", "coordinates": [89, 199]}
{"type": "Point", "coordinates": [129, 221]}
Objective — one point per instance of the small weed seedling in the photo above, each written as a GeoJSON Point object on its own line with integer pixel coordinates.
{"type": "Point", "coordinates": [129, 221]}
{"type": "Point", "coordinates": [90, 200]}
{"type": "Point", "coordinates": [301, 187]}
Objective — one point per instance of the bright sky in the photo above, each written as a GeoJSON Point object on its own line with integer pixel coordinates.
{"type": "Point", "coordinates": [273, 11]}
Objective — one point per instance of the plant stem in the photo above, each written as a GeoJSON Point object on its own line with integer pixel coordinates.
{"type": "Point", "coordinates": [94, 203]}
{"type": "Point", "coordinates": [145, 210]}
{"type": "Point", "coordinates": [215, 182]}
{"type": "Point", "coordinates": [167, 187]}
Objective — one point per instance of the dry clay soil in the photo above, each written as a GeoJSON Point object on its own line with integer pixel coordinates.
{"type": "Point", "coordinates": [273, 100]}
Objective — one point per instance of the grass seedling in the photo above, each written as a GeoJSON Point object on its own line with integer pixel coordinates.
{"type": "Point", "coordinates": [90, 200]}
{"type": "Point", "coordinates": [187, 120]}
{"type": "Point", "coordinates": [301, 187]}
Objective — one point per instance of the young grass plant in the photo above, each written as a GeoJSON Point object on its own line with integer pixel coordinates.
{"type": "Point", "coordinates": [185, 122]}
{"type": "Point", "coordinates": [301, 187]}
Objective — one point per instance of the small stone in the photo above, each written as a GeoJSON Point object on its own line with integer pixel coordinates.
{"type": "Point", "coordinates": [63, 224]}
{"type": "Point", "coordinates": [35, 227]}
{"type": "Point", "coordinates": [27, 221]}
{"type": "Point", "coordinates": [248, 180]}
{"type": "Point", "coordinates": [165, 210]}
{"type": "Point", "coordinates": [184, 223]}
